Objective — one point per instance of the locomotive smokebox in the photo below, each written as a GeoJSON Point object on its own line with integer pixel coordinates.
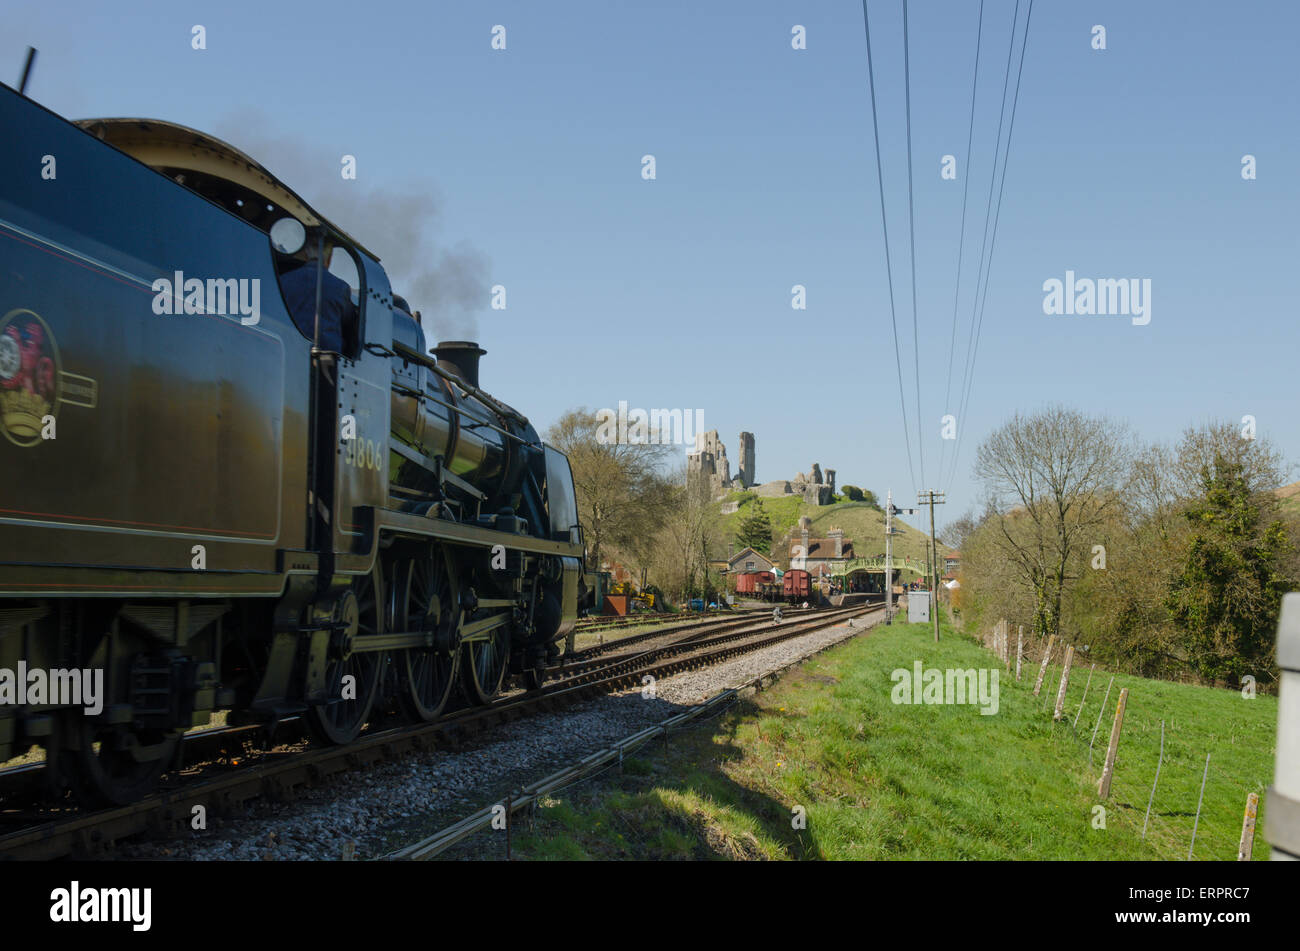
{"type": "Point", "coordinates": [461, 358]}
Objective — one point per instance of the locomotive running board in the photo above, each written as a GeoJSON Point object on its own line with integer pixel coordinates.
{"type": "Point", "coordinates": [479, 630]}
{"type": "Point", "coordinates": [405, 523]}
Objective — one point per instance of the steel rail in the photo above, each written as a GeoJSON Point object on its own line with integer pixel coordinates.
{"type": "Point", "coordinates": [94, 833]}
{"type": "Point", "coordinates": [529, 795]}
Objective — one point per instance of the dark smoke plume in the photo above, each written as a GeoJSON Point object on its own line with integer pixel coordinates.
{"type": "Point", "coordinates": [448, 284]}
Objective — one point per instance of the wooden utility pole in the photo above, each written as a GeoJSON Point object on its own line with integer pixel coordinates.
{"type": "Point", "coordinates": [933, 498]}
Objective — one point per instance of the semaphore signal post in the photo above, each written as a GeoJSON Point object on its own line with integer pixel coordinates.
{"type": "Point", "coordinates": [933, 498]}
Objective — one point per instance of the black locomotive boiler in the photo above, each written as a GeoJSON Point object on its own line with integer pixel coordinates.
{"type": "Point", "coordinates": [216, 510]}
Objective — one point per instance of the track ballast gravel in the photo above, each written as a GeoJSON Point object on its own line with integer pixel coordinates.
{"type": "Point", "coordinates": [367, 813]}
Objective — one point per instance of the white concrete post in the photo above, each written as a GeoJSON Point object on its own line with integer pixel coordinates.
{"type": "Point", "coordinates": [1282, 805]}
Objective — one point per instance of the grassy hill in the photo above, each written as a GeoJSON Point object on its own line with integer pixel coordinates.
{"type": "Point", "coordinates": [882, 780]}
{"type": "Point", "coordinates": [1289, 495]}
{"type": "Point", "coordinates": [862, 524]}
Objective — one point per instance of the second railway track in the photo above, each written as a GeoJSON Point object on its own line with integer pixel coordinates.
{"type": "Point", "coordinates": [281, 777]}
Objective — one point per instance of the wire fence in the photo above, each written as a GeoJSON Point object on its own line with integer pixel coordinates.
{"type": "Point", "coordinates": [1179, 782]}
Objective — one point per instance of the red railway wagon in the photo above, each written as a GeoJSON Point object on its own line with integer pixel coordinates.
{"type": "Point", "coordinates": [750, 581]}
{"type": "Point", "coordinates": [796, 586]}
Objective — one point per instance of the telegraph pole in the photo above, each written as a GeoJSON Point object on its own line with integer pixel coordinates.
{"type": "Point", "coordinates": [889, 556]}
{"type": "Point", "coordinates": [933, 498]}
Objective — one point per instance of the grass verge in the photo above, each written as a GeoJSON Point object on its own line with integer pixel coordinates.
{"type": "Point", "coordinates": [879, 780]}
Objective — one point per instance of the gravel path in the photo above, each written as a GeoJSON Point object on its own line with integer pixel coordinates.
{"type": "Point", "coordinates": [370, 812]}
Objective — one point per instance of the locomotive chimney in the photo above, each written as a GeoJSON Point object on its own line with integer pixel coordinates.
{"type": "Point", "coordinates": [461, 358]}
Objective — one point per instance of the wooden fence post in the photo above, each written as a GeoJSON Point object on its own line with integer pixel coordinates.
{"type": "Point", "coordinates": [1085, 695]}
{"type": "Point", "coordinates": [1020, 649]}
{"type": "Point", "coordinates": [1065, 682]}
{"type": "Point", "coordinates": [1103, 787]}
{"type": "Point", "coordinates": [1042, 668]}
{"type": "Point", "coordinates": [1248, 828]}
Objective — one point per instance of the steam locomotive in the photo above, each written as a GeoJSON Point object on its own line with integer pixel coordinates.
{"type": "Point", "coordinates": [204, 508]}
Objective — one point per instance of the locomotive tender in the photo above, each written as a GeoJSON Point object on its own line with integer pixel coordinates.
{"type": "Point", "coordinates": [213, 510]}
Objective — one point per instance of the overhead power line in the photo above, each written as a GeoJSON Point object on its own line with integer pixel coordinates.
{"type": "Point", "coordinates": [961, 240]}
{"type": "Point", "coordinates": [884, 223]}
{"type": "Point", "coordinates": [984, 240]}
{"type": "Point", "coordinates": [911, 237]}
{"type": "Point", "coordinates": [978, 321]}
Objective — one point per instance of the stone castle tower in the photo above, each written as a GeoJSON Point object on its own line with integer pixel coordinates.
{"type": "Point", "coordinates": [746, 473]}
{"type": "Point", "coordinates": [708, 463]}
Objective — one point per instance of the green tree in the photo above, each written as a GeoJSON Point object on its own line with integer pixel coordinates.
{"type": "Point", "coordinates": [1228, 589]}
{"type": "Point", "coordinates": [852, 493]}
{"type": "Point", "coordinates": [755, 530]}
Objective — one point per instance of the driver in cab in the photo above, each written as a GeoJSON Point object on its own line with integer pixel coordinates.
{"type": "Point", "coordinates": [299, 289]}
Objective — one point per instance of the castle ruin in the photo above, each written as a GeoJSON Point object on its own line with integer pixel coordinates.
{"type": "Point", "coordinates": [709, 463]}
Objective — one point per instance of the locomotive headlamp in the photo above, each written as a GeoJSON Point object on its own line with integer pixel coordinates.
{"type": "Point", "coordinates": [288, 235]}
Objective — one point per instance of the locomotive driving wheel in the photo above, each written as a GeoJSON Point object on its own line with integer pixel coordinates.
{"type": "Point", "coordinates": [352, 677]}
{"type": "Point", "coordinates": [484, 665]}
{"type": "Point", "coordinates": [425, 597]}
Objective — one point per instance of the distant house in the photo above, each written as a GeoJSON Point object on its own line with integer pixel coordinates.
{"type": "Point", "coordinates": [952, 563]}
{"type": "Point", "coordinates": [814, 554]}
{"type": "Point", "coordinates": [747, 560]}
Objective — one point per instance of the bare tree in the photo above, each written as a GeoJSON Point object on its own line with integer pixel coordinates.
{"type": "Point", "coordinates": [955, 533]}
{"type": "Point", "coordinates": [1055, 477]}
{"type": "Point", "coordinates": [1263, 467]}
{"type": "Point", "coordinates": [689, 537]}
{"type": "Point", "coordinates": [621, 491]}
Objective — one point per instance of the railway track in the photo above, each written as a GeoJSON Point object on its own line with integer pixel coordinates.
{"type": "Point", "coordinates": [527, 796]}
{"type": "Point", "coordinates": [689, 627]}
{"type": "Point", "coordinates": [22, 786]}
{"type": "Point", "coordinates": [225, 788]}
{"type": "Point", "coordinates": [600, 625]}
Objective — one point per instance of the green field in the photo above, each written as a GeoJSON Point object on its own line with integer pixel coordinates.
{"type": "Point", "coordinates": [879, 780]}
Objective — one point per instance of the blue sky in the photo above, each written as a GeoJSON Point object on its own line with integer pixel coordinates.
{"type": "Point", "coordinates": [676, 292]}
